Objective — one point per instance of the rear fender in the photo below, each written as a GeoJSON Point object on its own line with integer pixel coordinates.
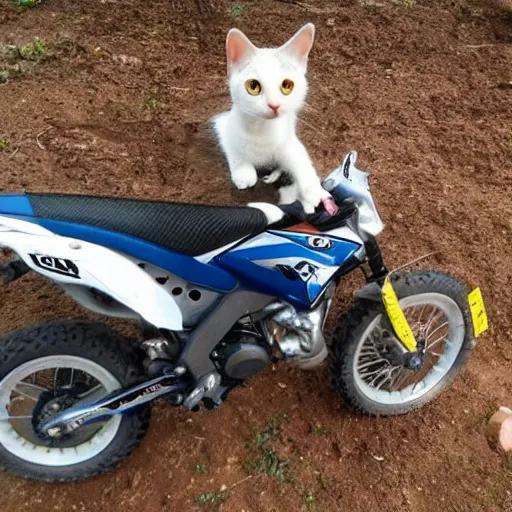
{"type": "Point", "coordinates": [72, 261]}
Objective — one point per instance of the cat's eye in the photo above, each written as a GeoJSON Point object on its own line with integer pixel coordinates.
{"type": "Point", "coordinates": [287, 86]}
{"type": "Point", "coordinates": [253, 87]}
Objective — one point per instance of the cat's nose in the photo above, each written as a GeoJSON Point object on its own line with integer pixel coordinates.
{"type": "Point", "coordinates": [275, 108]}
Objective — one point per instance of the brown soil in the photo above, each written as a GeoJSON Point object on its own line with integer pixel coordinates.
{"type": "Point", "coordinates": [416, 92]}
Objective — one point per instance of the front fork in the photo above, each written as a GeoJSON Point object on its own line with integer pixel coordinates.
{"type": "Point", "coordinates": [382, 292]}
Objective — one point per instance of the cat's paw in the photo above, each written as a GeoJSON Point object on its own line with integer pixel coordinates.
{"type": "Point", "coordinates": [311, 197]}
{"type": "Point", "coordinates": [244, 177]}
{"type": "Point", "coordinates": [272, 177]}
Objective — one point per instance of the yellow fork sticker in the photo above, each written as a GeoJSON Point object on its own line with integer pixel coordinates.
{"type": "Point", "coordinates": [396, 316]}
{"type": "Point", "coordinates": [478, 314]}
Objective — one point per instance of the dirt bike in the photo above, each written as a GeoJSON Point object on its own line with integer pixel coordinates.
{"type": "Point", "coordinates": [219, 295]}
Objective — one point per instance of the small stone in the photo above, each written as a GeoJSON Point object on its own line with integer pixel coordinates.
{"type": "Point", "coordinates": [399, 216]}
{"type": "Point", "coordinates": [223, 488]}
{"type": "Point", "coordinates": [282, 385]}
{"type": "Point", "coordinates": [499, 430]}
{"type": "Point", "coordinates": [127, 60]}
{"type": "Point", "coordinates": [330, 22]}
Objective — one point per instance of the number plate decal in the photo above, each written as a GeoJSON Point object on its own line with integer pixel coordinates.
{"type": "Point", "coordinates": [478, 314]}
{"type": "Point", "coordinates": [396, 316]}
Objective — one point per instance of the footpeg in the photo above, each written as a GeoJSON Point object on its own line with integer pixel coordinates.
{"type": "Point", "coordinates": [206, 388]}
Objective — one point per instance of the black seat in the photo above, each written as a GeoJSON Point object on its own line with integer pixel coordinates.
{"type": "Point", "coordinates": [184, 228]}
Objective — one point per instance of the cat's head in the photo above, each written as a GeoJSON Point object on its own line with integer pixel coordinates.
{"type": "Point", "coordinates": [268, 82]}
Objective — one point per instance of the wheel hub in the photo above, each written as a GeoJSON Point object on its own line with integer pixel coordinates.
{"type": "Point", "coordinates": [47, 406]}
{"type": "Point", "coordinates": [389, 349]}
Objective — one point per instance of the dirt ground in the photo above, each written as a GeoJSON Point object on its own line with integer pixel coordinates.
{"type": "Point", "coordinates": [422, 92]}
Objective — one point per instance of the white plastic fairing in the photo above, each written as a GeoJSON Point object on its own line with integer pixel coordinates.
{"type": "Point", "coordinates": [347, 181]}
{"type": "Point", "coordinates": [72, 261]}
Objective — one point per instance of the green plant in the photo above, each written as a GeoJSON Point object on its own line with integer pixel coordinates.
{"type": "Point", "coordinates": [268, 431]}
{"type": "Point", "coordinates": [36, 50]}
{"type": "Point", "coordinates": [238, 9]}
{"type": "Point", "coordinates": [211, 498]}
{"type": "Point", "coordinates": [270, 464]}
{"type": "Point", "coordinates": [201, 469]}
{"type": "Point", "coordinates": [309, 499]}
{"type": "Point", "coordinates": [8, 72]}
{"type": "Point", "coordinates": [153, 103]}
{"type": "Point", "coordinates": [23, 5]}
{"type": "Point", "coordinates": [4, 143]}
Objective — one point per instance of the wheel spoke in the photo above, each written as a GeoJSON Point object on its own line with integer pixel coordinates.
{"type": "Point", "coordinates": [421, 312]}
{"type": "Point", "coordinates": [433, 316]}
{"type": "Point", "coordinates": [28, 390]}
{"type": "Point", "coordinates": [434, 343]}
{"type": "Point", "coordinates": [376, 378]}
{"type": "Point", "coordinates": [370, 363]}
{"type": "Point", "coordinates": [392, 384]}
{"type": "Point", "coordinates": [428, 334]}
{"type": "Point", "coordinates": [370, 374]}
{"type": "Point", "coordinates": [63, 378]}
{"type": "Point", "coordinates": [384, 380]}
{"type": "Point", "coordinates": [9, 418]}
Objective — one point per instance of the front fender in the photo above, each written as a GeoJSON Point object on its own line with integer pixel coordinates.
{"type": "Point", "coordinates": [72, 261]}
{"type": "Point", "coordinates": [371, 291]}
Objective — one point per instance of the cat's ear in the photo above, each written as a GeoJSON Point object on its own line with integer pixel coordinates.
{"type": "Point", "coordinates": [300, 44]}
{"type": "Point", "coordinates": [238, 48]}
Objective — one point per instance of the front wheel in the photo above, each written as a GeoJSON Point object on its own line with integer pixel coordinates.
{"type": "Point", "coordinates": [48, 368]}
{"type": "Point", "coordinates": [363, 367]}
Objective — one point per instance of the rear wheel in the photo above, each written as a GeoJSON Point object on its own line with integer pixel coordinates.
{"type": "Point", "coordinates": [365, 370]}
{"type": "Point", "coordinates": [48, 368]}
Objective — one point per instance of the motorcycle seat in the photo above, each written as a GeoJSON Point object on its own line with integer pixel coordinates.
{"type": "Point", "coordinates": [189, 229]}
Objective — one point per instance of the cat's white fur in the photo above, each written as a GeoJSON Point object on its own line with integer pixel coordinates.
{"type": "Point", "coordinates": [254, 135]}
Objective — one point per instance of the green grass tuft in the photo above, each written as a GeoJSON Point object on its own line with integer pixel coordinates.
{"type": "Point", "coordinates": [153, 104]}
{"type": "Point", "coordinates": [238, 9]}
{"type": "Point", "coordinates": [212, 498]}
{"type": "Point", "coordinates": [201, 469]}
{"type": "Point", "coordinates": [9, 72]}
{"type": "Point", "coordinates": [268, 432]}
{"type": "Point", "coordinates": [309, 499]}
{"type": "Point", "coordinates": [23, 5]}
{"type": "Point", "coordinates": [37, 50]}
{"type": "Point", "coordinates": [4, 143]}
{"type": "Point", "coordinates": [269, 464]}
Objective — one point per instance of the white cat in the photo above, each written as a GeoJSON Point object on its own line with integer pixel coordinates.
{"type": "Point", "coordinates": [268, 88]}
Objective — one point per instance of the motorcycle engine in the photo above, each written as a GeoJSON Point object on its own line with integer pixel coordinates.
{"type": "Point", "coordinates": [241, 355]}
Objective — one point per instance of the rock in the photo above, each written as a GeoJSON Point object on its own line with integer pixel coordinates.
{"type": "Point", "coordinates": [127, 59]}
{"type": "Point", "coordinates": [499, 430]}
{"type": "Point", "coordinates": [330, 22]}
